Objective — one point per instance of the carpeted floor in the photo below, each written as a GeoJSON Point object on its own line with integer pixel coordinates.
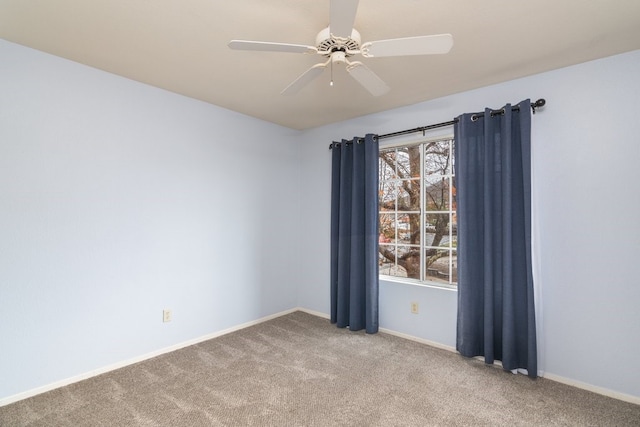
{"type": "Point", "coordinates": [298, 370]}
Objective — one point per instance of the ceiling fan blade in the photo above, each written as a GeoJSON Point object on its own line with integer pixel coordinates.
{"type": "Point", "coordinates": [367, 78]}
{"type": "Point", "coordinates": [342, 15]}
{"type": "Point", "coordinates": [306, 78]}
{"type": "Point", "coordinates": [271, 47]}
{"type": "Point", "coordinates": [421, 45]}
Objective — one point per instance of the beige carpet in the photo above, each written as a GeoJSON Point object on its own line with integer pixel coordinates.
{"type": "Point", "coordinates": [298, 370]}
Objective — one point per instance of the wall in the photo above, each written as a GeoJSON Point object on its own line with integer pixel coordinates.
{"type": "Point", "coordinates": [586, 196]}
{"type": "Point", "coordinates": [118, 200]}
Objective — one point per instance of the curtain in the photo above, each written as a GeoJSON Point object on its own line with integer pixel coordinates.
{"type": "Point", "coordinates": [354, 234]}
{"type": "Point", "coordinates": [496, 317]}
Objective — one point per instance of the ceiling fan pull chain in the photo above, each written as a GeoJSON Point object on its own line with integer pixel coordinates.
{"type": "Point", "coordinates": [331, 83]}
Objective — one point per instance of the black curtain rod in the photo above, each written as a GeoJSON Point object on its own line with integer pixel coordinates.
{"type": "Point", "coordinates": [539, 103]}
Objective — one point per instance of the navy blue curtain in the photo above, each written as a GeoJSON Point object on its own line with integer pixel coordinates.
{"type": "Point", "coordinates": [496, 317]}
{"type": "Point", "coordinates": [354, 234]}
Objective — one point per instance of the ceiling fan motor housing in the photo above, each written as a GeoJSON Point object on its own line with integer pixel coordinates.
{"type": "Point", "coordinates": [327, 43]}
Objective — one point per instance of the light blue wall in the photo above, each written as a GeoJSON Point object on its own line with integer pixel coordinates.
{"type": "Point", "coordinates": [586, 151]}
{"type": "Point", "coordinates": [118, 200]}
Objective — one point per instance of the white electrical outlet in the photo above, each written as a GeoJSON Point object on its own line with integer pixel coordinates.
{"type": "Point", "coordinates": [414, 307]}
{"type": "Point", "coordinates": [166, 315]}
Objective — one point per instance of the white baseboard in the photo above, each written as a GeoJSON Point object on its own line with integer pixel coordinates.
{"type": "Point", "coordinates": [595, 389]}
{"type": "Point", "coordinates": [391, 332]}
{"type": "Point", "coordinates": [418, 339]}
{"type": "Point", "coordinates": [57, 384]}
{"type": "Point", "coordinates": [314, 313]}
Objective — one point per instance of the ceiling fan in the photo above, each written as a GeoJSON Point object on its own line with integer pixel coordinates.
{"type": "Point", "coordinates": [340, 41]}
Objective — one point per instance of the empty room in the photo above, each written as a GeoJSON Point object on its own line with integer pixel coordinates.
{"type": "Point", "coordinates": [319, 212]}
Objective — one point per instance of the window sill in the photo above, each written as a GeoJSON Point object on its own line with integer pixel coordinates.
{"type": "Point", "coordinates": [414, 282]}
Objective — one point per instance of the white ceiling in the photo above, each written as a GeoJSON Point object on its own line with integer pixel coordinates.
{"type": "Point", "coordinates": [181, 46]}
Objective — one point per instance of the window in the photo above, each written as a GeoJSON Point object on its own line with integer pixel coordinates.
{"type": "Point", "coordinates": [417, 212]}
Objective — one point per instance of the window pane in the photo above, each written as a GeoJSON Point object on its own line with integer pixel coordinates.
{"type": "Point", "coordinates": [437, 230]}
{"type": "Point", "coordinates": [436, 192]}
{"type": "Point", "coordinates": [437, 158]}
{"type": "Point", "coordinates": [387, 165]}
{"type": "Point", "coordinates": [453, 158]}
{"type": "Point", "coordinates": [454, 267]}
{"type": "Point", "coordinates": [387, 259]}
{"type": "Point", "coordinates": [438, 265]}
{"type": "Point", "coordinates": [387, 196]}
{"type": "Point", "coordinates": [387, 228]}
{"type": "Point", "coordinates": [409, 195]}
{"type": "Point", "coordinates": [454, 204]}
{"type": "Point", "coordinates": [454, 230]}
{"type": "Point", "coordinates": [408, 162]}
{"type": "Point", "coordinates": [409, 260]}
{"type": "Point", "coordinates": [409, 228]}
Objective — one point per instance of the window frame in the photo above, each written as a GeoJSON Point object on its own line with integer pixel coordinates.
{"type": "Point", "coordinates": [423, 212]}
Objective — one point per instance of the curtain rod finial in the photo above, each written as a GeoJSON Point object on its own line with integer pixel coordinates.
{"type": "Point", "coordinates": [539, 103]}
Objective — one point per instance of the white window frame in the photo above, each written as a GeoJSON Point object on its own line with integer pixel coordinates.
{"type": "Point", "coordinates": [423, 214]}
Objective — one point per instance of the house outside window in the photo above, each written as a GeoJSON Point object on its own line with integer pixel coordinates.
{"type": "Point", "coordinates": [417, 213]}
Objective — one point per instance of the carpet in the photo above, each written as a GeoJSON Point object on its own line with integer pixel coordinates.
{"type": "Point", "coordinates": [299, 370]}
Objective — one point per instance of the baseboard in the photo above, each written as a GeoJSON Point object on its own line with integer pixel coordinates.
{"type": "Point", "coordinates": [314, 313]}
{"type": "Point", "coordinates": [418, 339]}
{"type": "Point", "coordinates": [57, 384]}
{"type": "Point", "coordinates": [390, 332]}
{"type": "Point", "coordinates": [595, 389]}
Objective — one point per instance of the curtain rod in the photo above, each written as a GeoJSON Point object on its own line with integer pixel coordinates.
{"type": "Point", "coordinates": [539, 103]}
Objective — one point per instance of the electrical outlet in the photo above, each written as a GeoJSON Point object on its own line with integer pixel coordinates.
{"type": "Point", "coordinates": [414, 307]}
{"type": "Point", "coordinates": [166, 315]}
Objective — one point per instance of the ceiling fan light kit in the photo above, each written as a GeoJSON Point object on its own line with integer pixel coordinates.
{"type": "Point", "coordinates": [340, 41]}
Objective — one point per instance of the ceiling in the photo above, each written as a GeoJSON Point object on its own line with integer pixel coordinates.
{"type": "Point", "coordinates": [181, 46]}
